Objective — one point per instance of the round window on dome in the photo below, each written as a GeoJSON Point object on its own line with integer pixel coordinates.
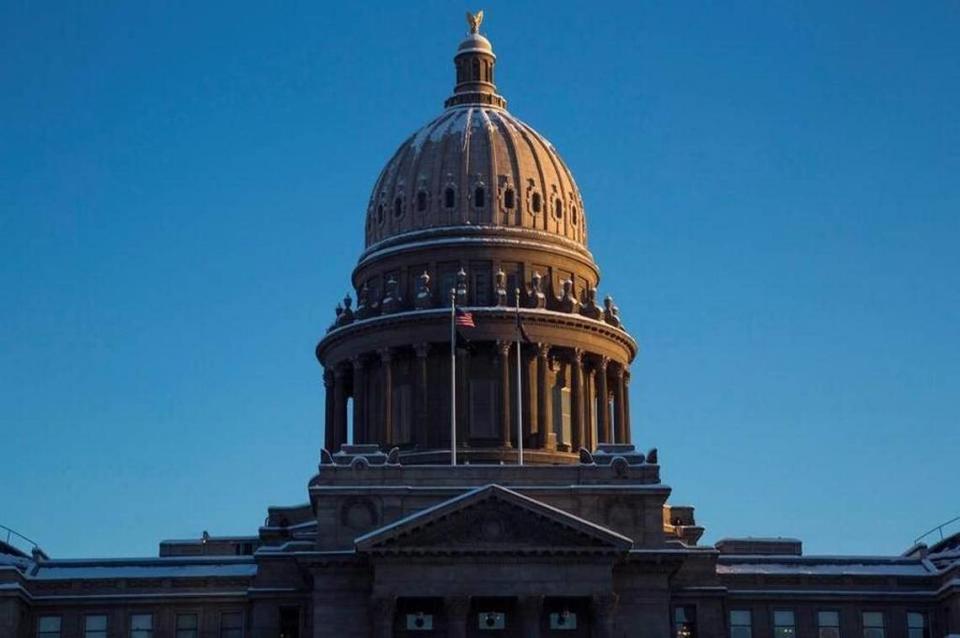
{"type": "Point", "coordinates": [449, 197]}
{"type": "Point", "coordinates": [535, 203]}
{"type": "Point", "coordinates": [421, 201]}
{"type": "Point", "coordinates": [573, 215]}
{"type": "Point", "coordinates": [558, 209]}
{"type": "Point", "coordinates": [479, 197]}
{"type": "Point", "coordinates": [380, 213]}
{"type": "Point", "coordinates": [398, 206]}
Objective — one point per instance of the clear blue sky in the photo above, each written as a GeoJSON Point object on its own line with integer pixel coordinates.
{"type": "Point", "coordinates": [771, 189]}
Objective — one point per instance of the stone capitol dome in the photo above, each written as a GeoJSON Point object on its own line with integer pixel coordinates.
{"type": "Point", "coordinates": [478, 203]}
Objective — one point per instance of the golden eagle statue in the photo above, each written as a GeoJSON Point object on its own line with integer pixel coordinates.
{"type": "Point", "coordinates": [474, 20]}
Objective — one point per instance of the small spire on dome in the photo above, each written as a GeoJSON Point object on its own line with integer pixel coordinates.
{"type": "Point", "coordinates": [474, 20]}
{"type": "Point", "coordinates": [475, 61]}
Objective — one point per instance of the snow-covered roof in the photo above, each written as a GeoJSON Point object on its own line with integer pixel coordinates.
{"type": "Point", "coordinates": [141, 568]}
{"type": "Point", "coordinates": [823, 566]}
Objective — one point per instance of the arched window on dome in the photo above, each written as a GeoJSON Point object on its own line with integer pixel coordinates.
{"type": "Point", "coordinates": [536, 203]}
{"type": "Point", "coordinates": [573, 215]}
{"type": "Point", "coordinates": [421, 201]}
{"type": "Point", "coordinates": [398, 206]}
{"type": "Point", "coordinates": [449, 197]}
{"type": "Point", "coordinates": [558, 208]}
{"type": "Point", "coordinates": [479, 197]}
{"type": "Point", "coordinates": [476, 70]}
{"type": "Point", "coordinates": [508, 199]}
{"type": "Point", "coordinates": [380, 213]}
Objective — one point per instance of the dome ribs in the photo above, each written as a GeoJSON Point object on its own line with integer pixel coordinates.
{"type": "Point", "coordinates": [512, 217]}
{"type": "Point", "coordinates": [491, 203]}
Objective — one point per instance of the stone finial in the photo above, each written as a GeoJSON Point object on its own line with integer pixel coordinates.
{"type": "Point", "coordinates": [585, 457]}
{"type": "Point", "coordinates": [423, 299]}
{"type": "Point", "coordinates": [536, 298]}
{"type": "Point", "coordinates": [611, 314]}
{"type": "Point", "coordinates": [363, 302]}
{"type": "Point", "coordinates": [590, 308]}
{"type": "Point", "coordinates": [462, 287]}
{"type": "Point", "coordinates": [568, 302]}
{"type": "Point", "coordinates": [391, 299]}
{"type": "Point", "coordinates": [336, 320]}
{"type": "Point", "coordinates": [500, 281]}
{"type": "Point", "coordinates": [345, 317]}
{"type": "Point", "coordinates": [652, 456]}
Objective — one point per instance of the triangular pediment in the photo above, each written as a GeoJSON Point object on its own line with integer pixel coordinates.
{"type": "Point", "coordinates": [492, 519]}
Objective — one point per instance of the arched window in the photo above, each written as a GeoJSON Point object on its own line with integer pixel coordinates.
{"type": "Point", "coordinates": [508, 199]}
{"type": "Point", "coordinates": [448, 197]}
{"type": "Point", "coordinates": [380, 214]}
{"type": "Point", "coordinates": [398, 206]}
{"type": "Point", "coordinates": [421, 201]}
{"type": "Point", "coordinates": [479, 197]}
{"type": "Point", "coordinates": [535, 203]}
{"type": "Point", "coordinates": [558, 208]}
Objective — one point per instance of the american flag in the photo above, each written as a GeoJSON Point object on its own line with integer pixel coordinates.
{"type": "Point", "coordinates": [464, 319]}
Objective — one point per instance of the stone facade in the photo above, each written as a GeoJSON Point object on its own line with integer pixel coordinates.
{"type": "Point", "coordinates": [477, 209]}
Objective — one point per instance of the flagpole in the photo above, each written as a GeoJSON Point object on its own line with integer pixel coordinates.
{"type": "Point", "coordinates": [519, 385]}
{"type": "Point", "coordinates": [453, 377]}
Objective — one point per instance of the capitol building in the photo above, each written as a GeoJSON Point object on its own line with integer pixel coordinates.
{"type": "Point", "coordinates": [477, 475]}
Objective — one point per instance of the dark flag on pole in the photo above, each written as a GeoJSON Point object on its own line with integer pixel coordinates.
{"type": "Point", "coordinates": [463, 319]}
{"type": "Point", "coordinates": [521, 332]}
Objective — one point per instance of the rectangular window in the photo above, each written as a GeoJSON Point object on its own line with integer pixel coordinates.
{"type": "Point", "coordinates": [784, 624]}
{"type": "Point", "coordinates": [873, 624]}
{"type": "Point", "coordinates": [187, 626]}
{"type": "Point", "coordinates": [48, 627]}
{"type": "Point", "coordinates": [141, 626]}
{"type": "Point", "coordinates": [231, 625]}
{"type": "Point", "coordinates": [741, 624]}
{"type": "Point", "coordinates": [95, 626]}
{"type": "Point", "coordinates": [685, 622]}
{"type": "Point", "coordinates": [917, 625]}
{"type": "Point", "coordinates": [828, 624]}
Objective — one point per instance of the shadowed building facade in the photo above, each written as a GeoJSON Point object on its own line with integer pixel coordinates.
{"type": "Point", "coordinates": [477, 209]}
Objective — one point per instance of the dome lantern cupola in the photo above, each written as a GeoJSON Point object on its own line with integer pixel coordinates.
{"type": "Point", "coordinates": [474, 61]}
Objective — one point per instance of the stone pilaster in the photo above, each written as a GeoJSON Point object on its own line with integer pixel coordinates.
{"type": "Point", "coordinates": [626, 406]}
{"type": "Point", "coordinates": [503, 365]}
{"type": "Point", "coordinates": [603, 607]}
{"type": "Point", "coordinates": [544, 412]}
{"type": "Point", "coordinates": [456, 608]}
{"type": "Point", "coordinates": [589, 398]}
{"type": "Point", "coordinates": [389, 437]}
{"type": "Point", "coordinates": [382, 609]}
{"type": "Point", "coordinates": [422, 428]}
{"type": "Point", "coordinates": [531, 611]}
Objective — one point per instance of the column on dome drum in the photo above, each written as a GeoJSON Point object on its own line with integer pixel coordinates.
{"type": "Point", "coordinates": [603, 403]}
{"type": "Point", "coordinates": [328, 390]}
{"type": "Point", "coordinates": [339, 406]}
{"type": "Point", "coordinates": [359, 400]}
{"type": "Point", "coordinates": [421, 435]}
{"type": "Point", "coordinates": [618, 412]}
{"type": "Point", "coordinates": [576, 377]}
